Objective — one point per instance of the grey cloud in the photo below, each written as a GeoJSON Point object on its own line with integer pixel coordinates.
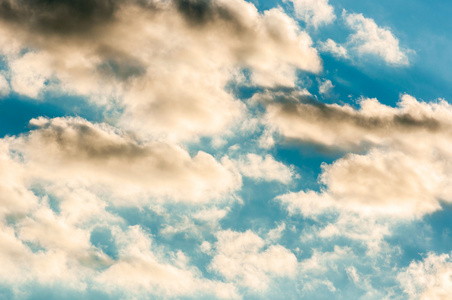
{"type": "Point", "coordinates": [62, 150]}
{"type": "Point", "coordinates": [58, 16]}
{"type": "Point", "coordinates": [302, 117]}
{"type": "Point", "coordinates": [166, 63]}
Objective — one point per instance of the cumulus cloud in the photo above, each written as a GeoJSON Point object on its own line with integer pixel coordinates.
{"type": "Point", "coordinates": [397, 176]}
{"type": "Point", "coordinates": [429, 279]}
{"type": "Point", "coordinates": [141, 271]}
{"type": "Point", "coordinates": [314, 12]}
{"type": "Point", "coordinates": [369, 38]}
{"type": "Point", "coordinates": [165, 63]}
{"type": "Point", "coordinates": [243, 258]}
{"type": "Point", "coordinates": [265, 168]}
{"type": "Point", "coordinates": [73, 149]}
{"type": "Point", "coordinates": [326, 87]}
{"type": "Point", "coordinates": [335, 49]}
{"type": "Point", "coordinates": [300, 117]}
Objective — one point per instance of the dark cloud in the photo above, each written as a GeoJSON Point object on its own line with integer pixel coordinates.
{"type": "Point", "coordinates": [309, 108]}
{"type": "Point", "coordinates": [204, 12]}
{"type": "Point", "coordinates": [195, 11]}
{"type": "Point", "coordinates": [58, 16]}
{"type": "Point", "coordinates": [77, 139]}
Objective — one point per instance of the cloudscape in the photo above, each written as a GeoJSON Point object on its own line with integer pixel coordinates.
{"type": "Point", "coordinates": [225, 149]}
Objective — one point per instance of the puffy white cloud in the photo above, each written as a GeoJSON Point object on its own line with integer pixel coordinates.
{"type": "Point", "coordinates": [140, 271]}
{"type": "Point", "coordinates": [15, 198]}
{"type": "Point", "coordinates": [265, 168]}
{"type": "Point", "coordinates": [75, 150]}
{"type": "Point", "coordinates": [335, 49]}
{"type": "Point", "coordinates": [314, 12]}
{"type": "Point", "coordinates": [369, 38]}
{"type": "Point", "coordinates": [322, 262]}
{"type": "Point", "coordinates": [326, 87]}
{"type": "Point", "coordinates": [276, 233]}
{"type": "Point", "coordinates": [398, 176]}
{"type": "Point", "coordinates": [166, 68]}
{"type": "Point", "coordinates": [429, 279]}
{"type": "Point", "coordinates": [242, 257]}
{"type": "Point", "coordinates": [29, 74]}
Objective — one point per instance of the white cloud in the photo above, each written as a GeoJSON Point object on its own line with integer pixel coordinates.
{"type": "Point", "coordinates": [369, 38]}
{"type": "Point", "coordinates": [15, 198]}
{"type": "Point", "coordinates": [314, 12]}
{"type": "Point", "coordinates": [75, 150]}
{"type": "Point", "coordinates": [333, 48]}
{"type": "Point", "coordinates": [322, 262]}
{"type": "Point", "coordinates": [140, 271]}
{"type": "Point", "coordinates": [353, 274]}
{"type": "Point", "coordinates": [265, 168]}
{"type": "Point", "coordinates": [429, 279]}
{"type": "Point", "coordinates": [397, 176]}
{"type": "Point", "coordinates": [276, 233]}
{"type": "Point", "coordinates": [326, 87]}
{"type": "Point", "coordinates": [29, 74]}
{"type": "Point", "coordinates": [166, 69]}
{"type": "Point", "coordinates": [242, 257]}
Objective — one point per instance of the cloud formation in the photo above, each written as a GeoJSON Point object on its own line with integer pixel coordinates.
{"type": "Point", "coordinates": [369, 38]}
{"type": "Point", "coordinates": [75, 150]}
{"type": "Point", "coordinates": [242, 257]}
{"type": "Point", "coordinates": [335, 49]}
{"type": "Point", "coordinates": [430, 278]}
{"type": "Point", "coordinates": [397, 176]}
{"type": "Point", "coordinates": [314, 12]}
{"type": "Point", "coordinates": [165, 63]}
{"type": "Point", "coordinates": [265, 168]}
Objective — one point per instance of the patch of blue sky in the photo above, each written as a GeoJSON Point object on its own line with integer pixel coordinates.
{"type": "Point", "coordinates": [16, 111]}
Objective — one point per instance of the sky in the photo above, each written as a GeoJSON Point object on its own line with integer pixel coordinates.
{"type": "Point", "coordinates": [225, 149]}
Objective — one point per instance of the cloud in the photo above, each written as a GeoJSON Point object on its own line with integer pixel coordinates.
{"type": "Point", "coordinates": [430, 278]}
{"type": "Point", "coordinates": [64, 150]}
{"type": "Point", "coordinates": [326, 87]}
{"type": "Point", "coordinates": [15, 198]}
{"type": "Point", "coordinates": [61, 17]}
{"type": "Point", "coordinates": [242, 257]}
{"type": "Point", "coordinates": [300, 117]}
{"type": "Point", "coordinates": [369, 38]}
{"type": "Point", "coordinates": [396, 176]}
{"type": "Point", "coordinates": [335, 49]}
{"type": "Point", "coordinates": [314, 12]}
{"type": "Point", "coordinates": [322, 262]}
{"type": "Point", "coordinates": [140, 271]}
{"type": "Point", "coordinates": [265, 168]}
{"type": "Point", "coordinates": [163, 64]}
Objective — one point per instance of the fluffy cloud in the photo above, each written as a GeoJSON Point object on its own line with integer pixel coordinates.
{"type": "Point", "coordinates": [314, 12]}
{"type": "Point", "coordinates": [265, 168]}
{"type": "Point", "coordinates": [369, 38]}
{"type": "Point", "coordinates": [429, 279]}
{"type": "Point", "coordinates": [139, 270]}
{"type": "Point", "coordinates": [165, 63]}
{"type": "Point", "coordinates": [326, 87]}
{"type": "Point", "coordinates": [242, 257]}
{"type": "Point", "coordinates": [398, 176]}
{"type": "Point", "coordinates": [298, 116]}
{"type": "Point", "coordinates": [332, 47]}
{"type": "Point", "coordinates": [75, 150]}
{"type": "Point", "coordinates": [15, 198]}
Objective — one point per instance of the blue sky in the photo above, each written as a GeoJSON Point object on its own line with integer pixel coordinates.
{"type": "Point", "coordinates": [191, 149]}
